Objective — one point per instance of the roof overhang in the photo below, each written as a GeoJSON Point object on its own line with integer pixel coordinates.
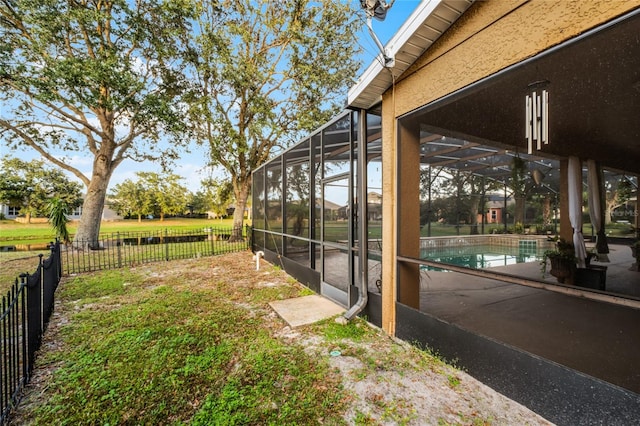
{"type": "Point", "coordinates": [425, 25]}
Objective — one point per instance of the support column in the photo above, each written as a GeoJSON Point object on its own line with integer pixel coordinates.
{"type": "Point", "coordinates": [637, 213]}
{"type": "Point", "coordinates": [389, 218]}
{"type": "Point", "coordinates": [408, 210]}
{"type": "Point", "coordinates": [504, 209]}
{"type": "Point", "coordinates": [566, 230]}
{"type": "Point", "coordinates": [482, 209]}
{"type": "Point", "coordinates": [429, 205]}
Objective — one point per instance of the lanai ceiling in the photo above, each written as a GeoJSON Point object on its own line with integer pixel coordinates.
{"type": "Point", "coordinates": [493, 163]}
{"type": "Point", "coordinates": [594, 97]}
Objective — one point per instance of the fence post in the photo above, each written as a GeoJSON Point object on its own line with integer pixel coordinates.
{"type": "Point", "coordinates": [41, 293]}
{"type": "Point", "coordinates": [56, 256]}
{"type": "Point", "coordinates": [166, 245]}
{"type": "Point", "coordinates": [33, 320]}
{"type": "Point", "coordinates": [23, 324]}
{"type": "Point", "coordinates": [249, 236]}
{"type": "Point", "coordinates": [118, 244]}
{"type": "Point", "coordinates": [56, 259]}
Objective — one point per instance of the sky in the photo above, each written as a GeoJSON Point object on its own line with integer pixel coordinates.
{"type": "Point", "coordinates": [191, 166]}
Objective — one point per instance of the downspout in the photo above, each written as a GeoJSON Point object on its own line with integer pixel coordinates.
{"type": "Point", "coordinates": [363, 240]}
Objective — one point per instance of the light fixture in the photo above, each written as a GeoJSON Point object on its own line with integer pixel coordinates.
{"type": "Point", "coordinates": [537, 115]}
{"type": "Point", "coordinates": [376, 8]}
{"type": "Point", "coordinates": [537, 176]}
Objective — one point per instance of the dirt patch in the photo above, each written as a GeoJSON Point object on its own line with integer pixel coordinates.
{"type": "Point", "coordinates": [392, 382]}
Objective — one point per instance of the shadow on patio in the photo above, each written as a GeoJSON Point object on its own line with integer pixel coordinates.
{"type": "Point", "coordinates": [594, 337]}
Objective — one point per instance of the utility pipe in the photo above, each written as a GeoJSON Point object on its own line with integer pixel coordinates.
{"type": "Point", "coordinates": [257, 257]}
{"type": "Point", "coordinates": [363, 239]}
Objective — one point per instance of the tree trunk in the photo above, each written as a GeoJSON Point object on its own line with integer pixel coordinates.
{"type": "Point", "coordinates": [473, 210]}
{"type": "Point", "coordinates": [546, 211]}
{"type": "Point", "coordinates": [519, 210]}
{"type": "Point", "coordinates": [241, 191]}
{"type": "Point", "coordinates": [139, 218]}
{"type": "Point", "coordinates": [610, 204]}
{"type": "Point", "coordinates": [93, 206]}
{"type": "Point", "coordinates": [608, 211]}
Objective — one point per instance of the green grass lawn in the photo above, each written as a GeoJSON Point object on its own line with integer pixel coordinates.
{"type": "Point", "coordinates": [12, 232]}
{"type": "Point", "coordinates": [38, 235]}
{"type": "Point", "coordinates": [12, 264]}
{"type": "Point", "coordinates": [176, 349]}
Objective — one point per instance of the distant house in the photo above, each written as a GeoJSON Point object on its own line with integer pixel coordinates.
{"type": "Point", "coordinates": [229, 212]}
{"type": "Point", "coordinates": [494, 208]}
{"type": "Point", "coordinates": [108, 213]}
{"type": "Point", "coordinates": [13, 212]}
{"type": "Point", "coordinates": [332, 211]}
{"type": "Point", "coordinates": [9, 212]}
{"type": "Point", "coordinates": [374, 206]}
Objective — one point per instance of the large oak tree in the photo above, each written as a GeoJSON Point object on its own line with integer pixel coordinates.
{"type": "Point", "coordinates": [264, 71]}
{"type": "Point", "coordinates": [91, 77]}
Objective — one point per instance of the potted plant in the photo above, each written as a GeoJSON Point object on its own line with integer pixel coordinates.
{"type": "Point", "coordinates": [634, 248]}
{"type": "Point", "coordinates": [562, 260]}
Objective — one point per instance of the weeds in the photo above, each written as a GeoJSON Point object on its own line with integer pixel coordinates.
{"type": "Point", "coordinates": [353, 331]}
{"type": "Point", "coordinates": [145, 354]}
{"type": "Point", "coordinates": [454, 381]}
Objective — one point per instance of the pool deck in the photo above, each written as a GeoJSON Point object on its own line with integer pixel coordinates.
{"type": "Point", "coordinates": [594, 337]}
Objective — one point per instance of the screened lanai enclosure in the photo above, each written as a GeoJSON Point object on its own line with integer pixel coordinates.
{"type": "Point", "coordinates": [473, 206]}
{"type": "Point", "coordinates": [477, 204]}
{"type": "Point", "coordinates": [476, 221]}
{"type": "Point", "coordinates": [306, 213]}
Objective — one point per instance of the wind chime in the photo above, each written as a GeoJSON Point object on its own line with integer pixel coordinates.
{"type": "Point", "coordinates": [537, 116]}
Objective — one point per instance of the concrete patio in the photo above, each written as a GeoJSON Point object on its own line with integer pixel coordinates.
{"type": "Point", "coordinates": [594, 337]}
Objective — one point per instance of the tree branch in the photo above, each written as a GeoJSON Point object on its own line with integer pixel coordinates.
{"type": "Point", "coordinates": [33, 144]}
{"type": "Point", "coordinates": [56, 109]}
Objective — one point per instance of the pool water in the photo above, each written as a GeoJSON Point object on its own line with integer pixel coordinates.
{"type": "Point", "coordinates": [480, 257]}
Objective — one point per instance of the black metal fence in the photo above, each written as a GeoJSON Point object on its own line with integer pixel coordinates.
{"type": "Point", "coordinates": [26, 309]}
{"type": "Point", "coordinates": [119, 249]}
{"type": "Point", "coordinates": [28, 305]}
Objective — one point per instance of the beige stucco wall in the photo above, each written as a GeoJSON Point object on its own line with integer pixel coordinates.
{"type": "Point", "coordinates": [489, 37]}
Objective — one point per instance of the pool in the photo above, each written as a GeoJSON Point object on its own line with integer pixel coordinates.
{"type": "Point", "coordinates": [481, 256]}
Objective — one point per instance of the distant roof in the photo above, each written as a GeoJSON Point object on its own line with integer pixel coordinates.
{"type": "Point", "coordinates": [425, 25]}
{"type": "Point", "coordinates": [330, 205]}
